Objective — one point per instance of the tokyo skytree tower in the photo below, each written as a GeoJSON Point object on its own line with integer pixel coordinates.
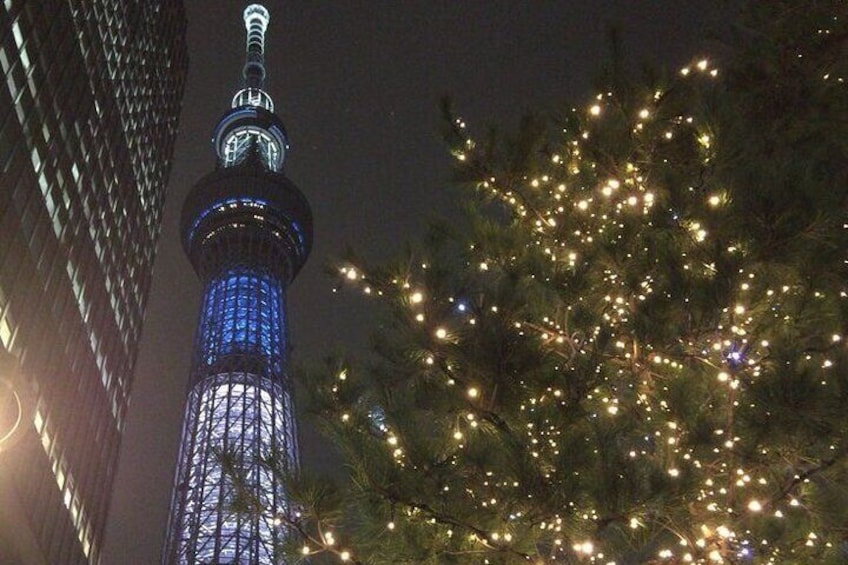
{"type": "Point", "coordinates": [247, 230]}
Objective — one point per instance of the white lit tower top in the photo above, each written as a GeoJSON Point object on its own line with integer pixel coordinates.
{"type": "Point", "coordinates": [247, 231]}
{"type": "Point", "coordinates": [239, 129]}
{"type": "Point", "coordinates": [256, 20]}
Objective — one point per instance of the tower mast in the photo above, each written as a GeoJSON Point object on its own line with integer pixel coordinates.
{"type": "Point", "coordinates": [247, 231]}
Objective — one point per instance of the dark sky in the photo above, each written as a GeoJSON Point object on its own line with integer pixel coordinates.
{"type": "Point", "coordinates": [357, 84]}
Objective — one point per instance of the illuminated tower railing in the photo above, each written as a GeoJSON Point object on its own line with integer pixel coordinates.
{"type": "Point", "coordinates": [247, 230]}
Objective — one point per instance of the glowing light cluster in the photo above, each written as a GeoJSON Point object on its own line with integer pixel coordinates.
{"type": "Point", "coordinates": [620, 369]}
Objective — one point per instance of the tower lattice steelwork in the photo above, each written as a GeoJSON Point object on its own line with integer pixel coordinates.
{"type": "Point", "coordinates": [247, 230]}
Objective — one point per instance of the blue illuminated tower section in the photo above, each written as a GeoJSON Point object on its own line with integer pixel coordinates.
{"type": "Point", "coordinates": [247, 230]}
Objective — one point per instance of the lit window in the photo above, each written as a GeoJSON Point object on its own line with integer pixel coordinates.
{"type": "Point", "coordinates": [5, 332]}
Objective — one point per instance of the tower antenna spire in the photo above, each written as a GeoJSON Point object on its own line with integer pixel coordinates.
{"type": "Point", "coordinates": [256, 18]}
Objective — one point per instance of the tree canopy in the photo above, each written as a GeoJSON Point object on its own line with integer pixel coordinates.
{"type": "Point", "coordinates": [633, 350]}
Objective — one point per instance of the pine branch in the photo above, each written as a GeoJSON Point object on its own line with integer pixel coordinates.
{"type": "Point", "coordinates": [445, 519]}
{"type": "Point", "coordinates": [801, 478]}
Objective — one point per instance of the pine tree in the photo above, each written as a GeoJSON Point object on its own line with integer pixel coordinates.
{"type": "Point", "coordinates": [633, 351]}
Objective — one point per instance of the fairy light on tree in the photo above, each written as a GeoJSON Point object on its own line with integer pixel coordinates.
{"type": "Point", "coordinates": [648, 365]}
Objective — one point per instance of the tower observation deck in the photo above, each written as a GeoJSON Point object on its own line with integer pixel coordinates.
{"type": "Point", "coordinates": [247, 230]}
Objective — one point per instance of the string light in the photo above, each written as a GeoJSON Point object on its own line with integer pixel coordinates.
{"type": "Point", "coordinates": [619, 227]}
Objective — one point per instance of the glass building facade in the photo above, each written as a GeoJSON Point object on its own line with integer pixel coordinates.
{"type": "Point", "coordinates": [247, 230]}
{"type": "Point", "coordinates": [89, 107]}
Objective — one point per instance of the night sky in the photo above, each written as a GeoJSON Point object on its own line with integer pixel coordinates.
{"type": "Point", "coordinates": [358, 85]}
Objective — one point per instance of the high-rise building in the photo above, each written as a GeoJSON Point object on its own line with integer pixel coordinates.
{"type": "Point", "coordinates": [89, 106]}
{"type": "Point", "coordinates": [247, 231]}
